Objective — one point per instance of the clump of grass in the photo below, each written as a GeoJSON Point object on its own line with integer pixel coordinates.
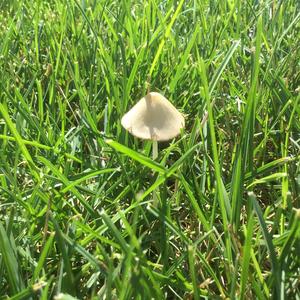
{"type": "Point", "coordinates": [77, 216]}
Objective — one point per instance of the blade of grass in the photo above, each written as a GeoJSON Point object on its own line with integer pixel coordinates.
{"type": "Point", "coordinates": [247, 253]}
{"type": "Point", "coordinates": [67, 280]}
{"type": "Point", "coordinates": [217, 75]}
{"type": "Point", "coordinates": [195, 205]}
{"type": "Point", "coordinates": [19, 141]}
{"type": "Point", "coordinates": [270, 247]}
{"type": "Point", "coordinates": [191, 256]}
{"type": "Point", "coordinates": [179, 72]}
{"type": "Point", "coordinates": [244, 157]}
{"type": "Point", "coordinates": [10, 262]}
{"type": "Point", "coordinates": [68, 184]}
{"type": "Point", "coordinates": [43, 257]}
{"type": "Point", "coordinates": [165, 37]}
{"type": "Point", "coordinates": [29, 292]}
{"type": "Point", "coordinates": [137, 156]}
{"type": "Point", "coordinates": [266, 179]}
{"type": "Point", "coordinates": [218, 177]}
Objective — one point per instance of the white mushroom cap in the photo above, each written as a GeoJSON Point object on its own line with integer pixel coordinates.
{"type": "Point", "coordinates": [153, 118]}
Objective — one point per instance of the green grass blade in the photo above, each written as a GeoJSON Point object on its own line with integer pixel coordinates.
{"type": "Point", "coordinates": [179, 72]}
{"type": "Point", "coordinates": [266, 179]}
{"type": "Point", "coordinates": [195, 205]}
{"type": "Point", "coordinates": [270, 247]}
{"type": "Point", "coordinates": [116, 233]}
{"type": "Point", "coordinates": [166, 36]}
{"type": "Point", "coordinates": [191, 255]}
{"type": "Point", "coordinates": [10, 262]}
{"type": "Point", "coordinates": [68, 280]}
{"type": "Point", "coordinates": [218, 177]}
{"type": "Point", "coordinates": [247, 253]}
{"type": "Point", "coordinates": [19, 141]}
{"type": "Point", "coordinates": [43, 257]}
{"type": "Point", "coordinates": [68, 184]}
{"type": "Point", "coordinates": [244, 158]}
{"type": "Point", "coordinates": [217, 75]}
{"type": "Point", "coordinates": [29, 292]}
{"type": "Point", "coordinates": [136, 156]}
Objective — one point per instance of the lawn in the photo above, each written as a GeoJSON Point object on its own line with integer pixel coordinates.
{"type": "Point", "coordinates": [87, 211]}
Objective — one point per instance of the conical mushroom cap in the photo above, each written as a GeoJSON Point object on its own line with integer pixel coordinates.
{"type": "Point", "coordinates": [153, 118]}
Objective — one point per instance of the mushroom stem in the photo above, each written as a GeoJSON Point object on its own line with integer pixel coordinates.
{"type": "Point", "coordinates": [154, 150]}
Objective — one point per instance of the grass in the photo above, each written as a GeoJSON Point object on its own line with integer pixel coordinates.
{"type": "Point", "coordinates": [76, 190]}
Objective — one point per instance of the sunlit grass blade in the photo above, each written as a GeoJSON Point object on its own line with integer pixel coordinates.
{"type": "Point", "coordinates": [244, 156]}
{"type": "Point", "coordinates": [19, 141]}
{"type": "Point", "coordinates": [86, 177]}
{"type": "Point", "coordinates": [179, 71]}
{"type": "Point", "coordinates": [218, 177]}
{"type": "Point", "coordinates": [266, 179]}
{"type": "Point", "coordinates": [213, 82]}
{"type": "Point", "coordinates": [137, 156]}
{"type": "Point", "coordinates": [43, 256]}
{"type": "Point", "coordinates": [165, 37]}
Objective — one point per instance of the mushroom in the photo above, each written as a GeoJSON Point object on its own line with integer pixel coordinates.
{"type": "Point", "coordinates": [153, 118]}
